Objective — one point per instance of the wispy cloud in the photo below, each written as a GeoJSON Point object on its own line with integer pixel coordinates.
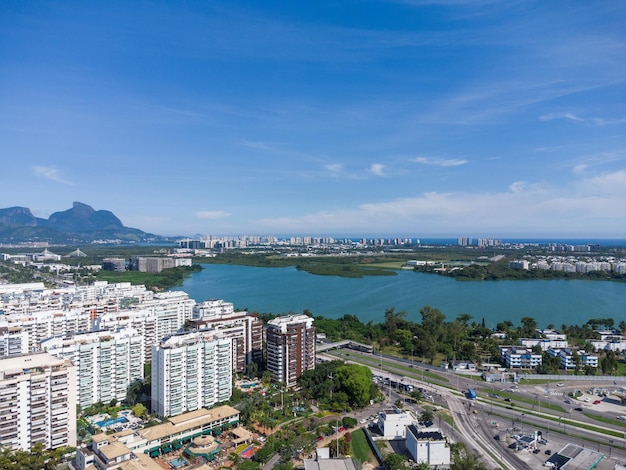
{"type": "Point", "coordinates": [49, 172]}
{"type": "Point", "coordinates": [335, 169]}
{"type": "Point", "coordinates": [212, 214]}
{"type": "Point", "coordinates": [377, 169]}
{"type": "Point", "coordinates": [436, 161]}
{"type": "Point", "coordinates": [596, 121]}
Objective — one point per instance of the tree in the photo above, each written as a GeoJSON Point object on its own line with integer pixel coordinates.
{"type": "Point", "coordinates": [393, 461]}
{"type": "Point", "coordinates": [464, 460]}
{"type": "Point", "coordinates": [529, 327]}
{"type": "Point", "coordinates": [432, 325]}
{"type": "Point", "coordinates": [355, 381]}
{"type": "Point", "coordinates": [427, 416]}
{"type": "Point", "coordinates": [139, 410]}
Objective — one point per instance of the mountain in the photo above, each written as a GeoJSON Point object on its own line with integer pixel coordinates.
{"type": "Point", "coordinates": [79, 224]}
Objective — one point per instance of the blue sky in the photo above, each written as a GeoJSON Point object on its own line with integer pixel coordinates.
{"type": "Point", "coordinates": [409, 118]}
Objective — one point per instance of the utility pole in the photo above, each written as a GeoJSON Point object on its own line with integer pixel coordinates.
{"type": "Point", "coordinates": [331, 387]}
{"type": "Point", "coordinates": [337, 436]}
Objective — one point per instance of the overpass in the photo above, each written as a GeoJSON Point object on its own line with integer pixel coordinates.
{"type": "Point", "coordinates": [322, 347]}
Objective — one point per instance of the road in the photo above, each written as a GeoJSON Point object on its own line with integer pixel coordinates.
{"type": "Point", "coordinates": [475, 430]}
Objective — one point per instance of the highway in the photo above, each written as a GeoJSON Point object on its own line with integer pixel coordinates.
{"type": "Point", "coordinates": [477, 431]}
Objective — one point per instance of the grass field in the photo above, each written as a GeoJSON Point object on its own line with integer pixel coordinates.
{"type": "Point", "coordinates": [360, 448]}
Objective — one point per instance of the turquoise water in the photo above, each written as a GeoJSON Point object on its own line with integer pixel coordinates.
{"type": "Point", "coordinates": [284, 290]}
{"type": "Point", "coordinates": [111, 422]}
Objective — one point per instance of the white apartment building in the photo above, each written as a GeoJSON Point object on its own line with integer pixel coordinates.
{"type": "Point", "coordinates": [544, 343]}
{"type": "Point", "coordinates": [427, 446]}
{"type": "Point", "coordinates": [519, 358]}
{"type": "Point", "coordinates": [290, 347]}
{"type": "Point", "coordinates": [393, 423]}
{"type": "Point", "coordinates": [568, 358]}
{"type": "Point", "coordinates": [107, 363]}
{"type": "Point", "coordinates": [245, 329]}
{"type": "Point", "coordinates": [47, 323]}
{"type": "Point", "coordinates": [163, 315]}
{"type": "Point", "coordinates": [37, 402]}
{"type": "Point", "coordinates": [190, 371]}
{"type": "Point", "coordinates": [13, 341]}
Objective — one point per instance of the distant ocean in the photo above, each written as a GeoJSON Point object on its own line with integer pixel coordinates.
{"type": "Point", "coordinates": [604, 242]}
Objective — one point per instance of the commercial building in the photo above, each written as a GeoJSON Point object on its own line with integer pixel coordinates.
{"type": "Point", "coordinates": [393, 423]}
{"type": "Point", "coordinates": [290, 347]}
{"type": "Point", "coordinates": [427, 446]}
{"type": "Point", "coordinates": [107, 362]}
{"type": "Point", "coordinates": [37, 402]}
{"type": "Point", "coordinates": [154, 264]}
{"type": "Point", "coordinates": [190, 371]}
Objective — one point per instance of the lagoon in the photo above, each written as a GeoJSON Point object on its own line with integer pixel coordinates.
{"type": "Point", "coordinates": [284, 290]}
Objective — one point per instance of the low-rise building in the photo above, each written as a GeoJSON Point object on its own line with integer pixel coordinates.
{"type": "Point", "coordinates": [519, 358]}
{"type": "Point", "coordinates": [427, 446]}
{"type": "Point", "coordinates": [129, 447]}
{"type": "Point", "coordinates": [393, 423]}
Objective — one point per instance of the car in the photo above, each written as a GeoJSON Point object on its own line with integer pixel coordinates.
{"type": "Point", "coordinates": [622, 417]}
{"type": "Point", "coordinates": [507, 399]}
{"type": "Point", "coordinates": [497, 437]}
{"type": "Point", "coordinates": [320, 438]}
{"type": "Point", "coordinates": [560, 384]}
{"type": "Point", "coordinates": [597, 402]}
{"type": "Point", "coordinates": [342, 429]}
{"type": "Point", "coordinates": [587, 400]}
{"type": "Point", "coordinates": [362, 421]}
{"type": "Point", "coordinates": [548, 452]}
{"type": "Point", "coordinates": [536, 451]}
{"type": "Point", "coordinates": [568, 401]}
{"type": "Point", "coordinates": [578, 409]}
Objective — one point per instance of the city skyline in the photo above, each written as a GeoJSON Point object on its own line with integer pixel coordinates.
{"type": "Point", "coordinates": [383, 118]}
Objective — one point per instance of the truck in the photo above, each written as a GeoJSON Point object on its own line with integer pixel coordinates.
{"type": "Point", "coordinates": [471, 394]}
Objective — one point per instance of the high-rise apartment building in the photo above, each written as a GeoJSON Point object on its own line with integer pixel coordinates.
{"type": "Point", "coordinates": [190, 371]}
{"type": "Point", "coordinates": [107, 363]}
{"type": "Point", "coordinates": [13, 341]}
{"type": "Point", "coordinates": [244, 328]}
{"type": "Point", "coordinates": [37, 402]}
{"type": "Point", "coordinates": [290, 347]}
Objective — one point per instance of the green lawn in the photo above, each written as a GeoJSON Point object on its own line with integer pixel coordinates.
{"type": "Point", "coordinates": [360, 448]}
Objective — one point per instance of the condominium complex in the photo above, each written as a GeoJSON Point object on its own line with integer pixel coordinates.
{"type": "Point", "coordinates": [290, 347]}
{"type": "Point", "coordinates": [245, 330]}
{"type": "Point", "coordinates": [37, 402]}
{"type": "Point", "coordinates": [107, 362]}
{"type": "Point", "coordinates": [190, 371]}
{"type": "Point", "coordinates": [13, 341]}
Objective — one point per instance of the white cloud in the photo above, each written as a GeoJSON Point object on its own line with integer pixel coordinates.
{"type": "Point", "coordinates": [334, 169]}
{"type": "Point", "coordinates": [436, 161]}
{"type": "Point", "coordinates": [596, 121]}
{"type": "Point", "coordinates": [212, 214]}
{"type": "Point", "coordinates": [377, 169]}
{"type": "Point", "coordinates": [594, 204]}
{"type": "Point", "coordinates": [567, 116]}
{"type": "Point", "coordinates": [49, 172]}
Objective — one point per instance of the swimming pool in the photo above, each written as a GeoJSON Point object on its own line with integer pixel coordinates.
{"type": "Point", "coordinates": [178, 462]}
{"type": "Point", "coordinates": [111, 422]}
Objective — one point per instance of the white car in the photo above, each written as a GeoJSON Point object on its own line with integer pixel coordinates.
{"type": "Point", "coordinates": [560, 384]}
{"type": "Point", "coordinates": [622, 417]}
